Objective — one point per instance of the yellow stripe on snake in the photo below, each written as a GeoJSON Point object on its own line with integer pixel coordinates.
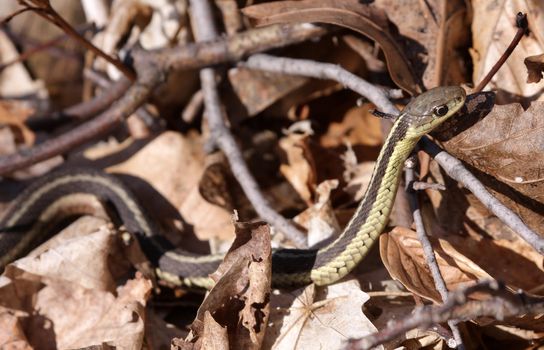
{"type": "Point", "coordinates": [23, 224]}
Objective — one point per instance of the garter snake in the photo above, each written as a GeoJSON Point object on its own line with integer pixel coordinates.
{"type": "Point", "coordinates": [35, 206]}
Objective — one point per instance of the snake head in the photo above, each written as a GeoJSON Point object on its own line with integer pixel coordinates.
{"type": "Point", "coordinates": [431, 108]}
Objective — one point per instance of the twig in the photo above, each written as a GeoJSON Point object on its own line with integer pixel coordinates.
{"type": "Point", "coordinates": [42, 46]}
{"type": "Point", "coordinates": [134, 98]}
{"type": "Point", "coordinates": [421, 186]}
{"type": "Point", "coordinates": [521, 23]}
{"type": "Point", "coordinates": [232, 48]}
{"type": "Point", "coordinates": [202, 20]}
{"type": "Point", "coordinates": [80, 111]}
{"type": "Point", "coordinates": [428, 251]}
{"type": "Point", "coordinates": [309, 68]}
{"type": "Point", "coordinates": [102, 81]}
{"type": "Point", "coordinates": [192, 56]}
{"type": "Point", "coordinates": [45, 10]}
{"type": "Point", "coordinates": [193, 107]}
{"type": "Point", "coordinates": [320, 70]}
{"type": "Point", "coordinates": [455, 169]}
{"type": "Point", "coordinates": [500, 305]}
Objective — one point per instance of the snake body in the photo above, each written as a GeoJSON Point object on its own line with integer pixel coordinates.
{"type": "Point", "coordinates": [25, 220]}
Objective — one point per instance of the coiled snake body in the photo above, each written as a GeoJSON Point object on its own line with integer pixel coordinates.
{"type": "Point", "coordinates": [322, 266]}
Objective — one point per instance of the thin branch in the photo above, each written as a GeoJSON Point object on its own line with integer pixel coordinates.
{"type": "Point", "coordinates": [456, 170]}
{"type": "Point", "coordinates": [500, 304]}
{"type": "Point", "coordinates": [521, 23]}
{"type": "Point", "coordinates": [428, 251]}
{"type": "Point", "coordinates": [319, 70]}
{"type": "Point", "coordinates": [421, 186]}
{"type": "Point", "coordinates": [232, 48]}
{"type": "Point", "coordinates": [41, 47]}
{"type": "Point", "coordinates": [192, 108]}
{"type": "Point", "coordinates": [202, 20]}
{"type": "Point", "coordinates": [134, 98]}
{"type": "Point", "coordinates": [79, 111]}
{"type": "Point", "coordinates": [191, 56]}
{"type": "Point", "coordinates": [47, 11]}
{"type": "Point", "coordinates": [309, 68]}
{"type": "Point", "coordinates": [11, 16]}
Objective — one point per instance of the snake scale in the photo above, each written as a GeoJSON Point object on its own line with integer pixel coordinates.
{"type": "Point", "coordinates": [24, 222]}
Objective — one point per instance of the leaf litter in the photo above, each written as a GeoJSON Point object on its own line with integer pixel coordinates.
{"type": "Point", "coordinates": [315, 173]}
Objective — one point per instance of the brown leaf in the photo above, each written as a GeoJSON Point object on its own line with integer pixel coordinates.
{"type": "Point", "coordinates": [66, 308]}
{"type": "Point", "coordinates": [424, 339]}
{"type": "Point", "coordinates": [403, 257]}
{"type": "Point", "coordinates": [535, 66]}
{"type": "Point", "coordinates": [319, 219]}
{"type": "Point", "coordinates": [514, 257]}
{"type": "Point", "coordinates": [178, 165]}
{"type": "Point", "coordinates": [214, 337]}
{"type": "Point", "coordinates": [504, 148]}
{"type": "Point", "coordinates": [318, 318]}
{"type": "Point", "coordinates": [257, 90]}
{"type": "Point", "coordinates": [358, 127]}
{"type": "Point", "coordinates": [299, 167]}
{"type": "Point", "coordinates": [351, 14]}
{"type": "Point", "coordinates": [14, 114]}
{"type": "Point", "coordinates": [239, 300]}
{"type": "Point", "coordinates": [435, 35]}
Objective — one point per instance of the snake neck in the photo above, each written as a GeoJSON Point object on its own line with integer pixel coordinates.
{"type": "Point", "coordinates": [338, 258]}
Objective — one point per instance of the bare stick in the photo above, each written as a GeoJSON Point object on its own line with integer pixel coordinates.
{"type": "Point", "coordinates": [41, 47]}
{"type": "Point", "coordinates": [135, 96]}
{"type": "Point", "coordinates": [501, 304]}
{"type": "Point", "coordinates": [334, 72]}
{"type": "Point", "coordinates": [81, 111]}
{"type": "Point", "coordinates": [428, 251]}
{"type": "Point", "coordinates": [193, 107]}
{"type": "Point", "coordinates": [309, 68]}
{"type": "Point", "coordinates": [232, 48]}
{"type": "Point", "coordinates": [202, 20]}
{"type": "Point", "coordinates": [45, 10]}
{"type": "Point", "coordinates": [456, 170]}
{"type": "Point", "coordinates": [191, 56]}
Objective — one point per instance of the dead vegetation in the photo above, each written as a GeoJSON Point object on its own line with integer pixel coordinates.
{"type": "Point", "coordinates": [255, 120]}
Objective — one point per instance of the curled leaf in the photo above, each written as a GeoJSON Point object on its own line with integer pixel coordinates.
{"type": "Point", "coordinates": [351, 14]}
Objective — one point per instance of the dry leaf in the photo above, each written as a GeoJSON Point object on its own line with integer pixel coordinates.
{"type": "Point", "coordinates": [351, 14]}
{"type": "Point", "coordinates": [14, 114]}
{"type": "Point", "coordinates": [299, 167]}
{"type": "Point", "coordinates": [318, 318]}
{"type": "Point", "coordinates": [493, 28]}
{"type": "Point", "coordinates": [403, 257]}
{"type": "Point", "coordinates": [65, 297]}
{"type": "Point", "coordinates": [319, 219]}
{"type": "Point", "coordinates": [257, 90]}
{"type": "Point", "coordinates": [178, 165]}
{"type": "Point", "coordinates": [435, 35]}
{"type": "Point", "coordinates": [515, 256]}
{"type": "Point", "coordinates": [214, 337]}
{"type": "Point", "coordinates": [240, 298]}
{"type": "Point", "coordinates": [15, 80]}
{"type": "Point", "coordinates": [358, 127]}
{"type": "Point", "coordinates": [505, 146]}
{"type": "Point", "coordinates": [535, 66]}
{"type": "Point", "coordinates": [429, 340]}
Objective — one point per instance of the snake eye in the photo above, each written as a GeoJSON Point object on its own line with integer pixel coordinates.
{"type": "Point", "coordinates": [440, 111]}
